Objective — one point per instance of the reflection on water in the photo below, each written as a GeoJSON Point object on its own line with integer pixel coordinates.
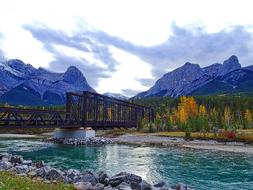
{"type": "Point", "coordinates": [201, 169]}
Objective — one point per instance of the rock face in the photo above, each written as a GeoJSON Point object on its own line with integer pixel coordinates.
{"type": "Point", "coordinates": [190, 79]}
{"type": "Point", "coordinates": [229, 65]}
{"type": "Point", "coordinates": [20, 81]}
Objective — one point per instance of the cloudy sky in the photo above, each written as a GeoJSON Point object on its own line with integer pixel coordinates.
{"type": "Point", "coordinates": [124, 46]}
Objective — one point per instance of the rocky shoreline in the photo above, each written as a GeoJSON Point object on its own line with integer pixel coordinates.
{"type": "Point", "coordinates": [81, 180]}
{"type": "Point", "coordinates": [151, 140]}
{"type": "Point", "coordinates": [94, 141]}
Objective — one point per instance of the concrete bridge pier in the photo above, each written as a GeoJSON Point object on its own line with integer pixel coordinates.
{"type": "Point", "coordinates": [73, 133]}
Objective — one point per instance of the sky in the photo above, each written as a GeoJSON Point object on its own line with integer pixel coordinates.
{"type": "Point", "coordinates": [124, 46]}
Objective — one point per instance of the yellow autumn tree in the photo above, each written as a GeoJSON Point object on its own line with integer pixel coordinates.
{"type": "Point", "coordinates": [248, 117]}
{"type": "Point", "coordinates": [202, 110]}
{"type": "Point", "coordinates": [192, 106]}
{"type": "Point", "coordinates": [227, 116]}
{"type": "Point", "coordinates": [187, 108]}
{"type": "Point", "coordinates": [182, 115]}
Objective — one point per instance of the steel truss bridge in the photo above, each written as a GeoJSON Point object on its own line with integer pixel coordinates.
{"type": "Point", "coordinates": [84, 109]}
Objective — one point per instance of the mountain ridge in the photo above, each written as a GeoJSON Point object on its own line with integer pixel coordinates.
{"type": "Point", "coordinates": [190, 78]}
{"type": "Point", "coordinates": [19, 81]}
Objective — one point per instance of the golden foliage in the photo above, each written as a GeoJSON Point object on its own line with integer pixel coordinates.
{"type": "Point", "coordinates": [187, 108]}
{"type": "Point", "coordinates": [227, 116]}
{"type": "Point", "coordinates": [247, 116]}
{"type": "Point", "coordinates": [202, 110]}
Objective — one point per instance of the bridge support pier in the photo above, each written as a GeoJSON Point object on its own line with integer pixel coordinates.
{"type": "Point", "coordinates": [73, 133]}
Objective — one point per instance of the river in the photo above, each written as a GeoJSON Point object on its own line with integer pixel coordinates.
{"type": "Point", "coordinates": [198, 168]}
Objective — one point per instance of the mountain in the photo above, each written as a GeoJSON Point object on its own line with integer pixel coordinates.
{"type": "Point", "coordinates": [116, 95]}
{"type": "Point", "coordinates": [249, 68]}
{"type": "Point", "coordinates": [191, 79]}
{"type": "Point", "coordinates": [22, 84]}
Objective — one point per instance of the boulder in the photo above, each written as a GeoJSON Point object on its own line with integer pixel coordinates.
{"type": "Point", "coordinates": [53, 174]}
{"type": "Point", "coordinates": [84, 186]}
{"type": "Point", "coordinates": [144, 185]}
{"type": "Point", "coordinates": [32, 174]}
{"type": "Point", "coordinates": [21, 169]}
{"type": "Point", "coordinates": [41, 172]}
{"type": "Point", "coordinates": [103, 177]}
{"type": "Point", "coordinates": [124, 186]}
{"type": "Point", "coordinates": [15, 159]}
{"type": "Point", "coordinates": [27, 162]}
{"type": "Point", "coordinates": [131, 179]}
{"type": "Point", "coordinates": [159, 184]}
{"type": "Point", "coordinates": [72, 173]}
{"type": "Point", "coordinates": [39, 164]}
{"type": "Point", "coordinates": [88, 177]}
{"type": "Point", "coordinates": [5, 165]}
{"type": "Point", "coordinates": [5, 156]}
{"type": "Point", "coordinates": [99, 186]}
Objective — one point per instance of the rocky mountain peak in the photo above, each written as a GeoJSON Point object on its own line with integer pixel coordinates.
{"type": "Point", "coordinates": [15, 63]}
{"type": "Point", "coordinates": [73, 75]}
{"type": "Point", "coordinates": [190, 78]}
{"type": "Point", "coordinates": [229, 65]}
{"type": "Point", "coordinates": [190, 65]}
{"type": "Point", "coordinates": [20, 66]}
{"type": "Point", "coordinates": [50, 87]}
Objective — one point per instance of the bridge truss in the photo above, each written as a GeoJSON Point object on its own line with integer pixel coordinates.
{"type": "Point", "coordinates": [84, 109]}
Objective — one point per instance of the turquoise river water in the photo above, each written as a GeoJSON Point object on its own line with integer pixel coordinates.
{"type": "Point", "coordinates": [200, 169]}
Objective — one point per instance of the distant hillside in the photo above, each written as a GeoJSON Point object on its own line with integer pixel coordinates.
{"type": "Point", "coordinates": [22, 84]}
{"type": "Point", "coordinates": [216, 79]}
{"type": "Point", "coordinates": [116, 95]}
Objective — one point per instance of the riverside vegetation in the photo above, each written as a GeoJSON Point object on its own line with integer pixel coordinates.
{"type": "Point", "coordinates": [218, 117]}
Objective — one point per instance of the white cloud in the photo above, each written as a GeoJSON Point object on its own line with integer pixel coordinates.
{"type": "Point", "coordinates": [129, 69]}
{"type": "Point", "coordinates": [142, 22]}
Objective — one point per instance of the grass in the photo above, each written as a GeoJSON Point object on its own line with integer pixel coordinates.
{"type": "Point", "coordinates": [9, 181]}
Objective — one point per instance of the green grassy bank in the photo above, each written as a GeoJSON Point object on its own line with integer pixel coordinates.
{"type": "Point", "coordinates": [9, 181]}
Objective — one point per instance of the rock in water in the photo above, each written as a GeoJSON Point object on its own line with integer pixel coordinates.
{"type": "Point", "coordinates": [160, 184]}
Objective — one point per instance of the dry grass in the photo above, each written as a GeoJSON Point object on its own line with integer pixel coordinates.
{"type": "Point", "coordinates": [241, 135]}
{"type": "Point", "coordinates": [245, 135]}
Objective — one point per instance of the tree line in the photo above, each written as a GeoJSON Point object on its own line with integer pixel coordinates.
{"type": "Point", "coordinates": [200, 114]}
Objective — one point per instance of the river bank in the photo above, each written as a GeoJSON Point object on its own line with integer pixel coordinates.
{"type": "Point", "coordinates": [81, 180]}
{"type": "Point", "coordinates": [212, 145]}
{"type": "Point", "coordinates": [144, 140]}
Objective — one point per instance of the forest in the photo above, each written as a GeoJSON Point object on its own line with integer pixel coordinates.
{"type": "Point", "coordinates": [200, 114]}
